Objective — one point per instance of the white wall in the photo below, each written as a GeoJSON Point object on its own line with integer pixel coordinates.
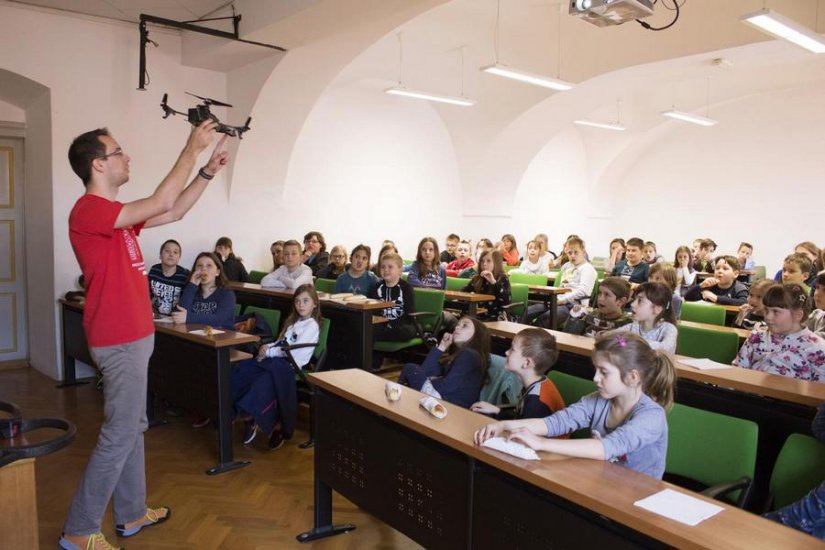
{"type": "Point", "coordinates": [757, 176]}
{"type": "Point", "coordinates": [11, 113]}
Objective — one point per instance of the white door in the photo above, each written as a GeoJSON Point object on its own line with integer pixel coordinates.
{"type": "Point", "coordinates": [13, 342]}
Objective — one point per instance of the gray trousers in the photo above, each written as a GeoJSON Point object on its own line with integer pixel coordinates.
{"type": "Point", "coordinates": [116, 467]}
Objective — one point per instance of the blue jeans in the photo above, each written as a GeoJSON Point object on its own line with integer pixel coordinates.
{"type": "Point", "coordinates": [806, 515]}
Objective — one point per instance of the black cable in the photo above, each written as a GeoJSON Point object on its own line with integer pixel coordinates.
{"type": "Point", "coordinates": [676, 7]}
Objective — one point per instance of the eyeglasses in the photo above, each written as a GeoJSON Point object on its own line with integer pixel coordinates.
{"type": "Point", "coordinates": [311, 241]}
{"type": "Point", "coordinates": [114, 153]}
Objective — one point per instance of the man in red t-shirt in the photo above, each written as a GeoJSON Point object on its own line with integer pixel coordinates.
{"type": "Point", "coordinates": [118, 320]}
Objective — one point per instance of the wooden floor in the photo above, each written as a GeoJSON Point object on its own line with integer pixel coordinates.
{"type": "Point", "coordinates": [258, 507]}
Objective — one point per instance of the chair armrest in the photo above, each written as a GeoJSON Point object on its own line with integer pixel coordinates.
{"type": "Point", "coordinates": [511, 305]}
{"type": "Point", "coordinates": [420, 313]}
{"type": "Point", "coordinates": [299, 346]}
{"type": "Point", "coordinates": [743, 484]}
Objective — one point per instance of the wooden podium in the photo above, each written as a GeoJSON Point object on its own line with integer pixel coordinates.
{"type": "Point", "coordinates": [18, 505]}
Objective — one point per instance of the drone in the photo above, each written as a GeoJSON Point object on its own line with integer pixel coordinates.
{"type": "Point", "coordinates": [201, 112]}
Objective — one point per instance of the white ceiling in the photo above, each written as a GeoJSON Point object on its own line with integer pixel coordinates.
{"type": "Point", "coordinates": [130, 10]}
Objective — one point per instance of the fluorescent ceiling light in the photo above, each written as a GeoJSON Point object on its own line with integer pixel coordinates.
{"type": "Point", "coordinates": [781, 27]}
{"type": "Point", "coordinates": [406, 92]}
{"type": "Point", "coordinates": [688, 117]}
{"type": "Point", "coordinates": [530, 78]}
{"type": "Point", "coordinates": [604, 125]}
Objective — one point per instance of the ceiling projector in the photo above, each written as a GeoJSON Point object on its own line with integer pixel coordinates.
{"type": "Point", "coordinates": [610, 12]}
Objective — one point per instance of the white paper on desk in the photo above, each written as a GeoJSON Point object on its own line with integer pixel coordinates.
{"type": "Point", "coordinates": [513, 448]}
{"type": "Point", "coordinates": [679, 506]}
{"type": "Point", "coordinates": [704, 364]}
{"type": "Point", "coordinates": [201, 332]}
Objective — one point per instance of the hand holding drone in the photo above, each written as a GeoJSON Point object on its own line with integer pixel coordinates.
{"type": "Point", "coordinates": [201, 112]}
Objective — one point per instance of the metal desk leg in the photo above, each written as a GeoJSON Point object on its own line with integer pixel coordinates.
{"type": "Point", "coordinates": [554, 304]}
{"type": "Point", "coordinates": [225, 455]}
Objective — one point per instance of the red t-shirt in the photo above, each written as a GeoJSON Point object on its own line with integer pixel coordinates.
{"type": "Point", "coordinates": [117, 308]}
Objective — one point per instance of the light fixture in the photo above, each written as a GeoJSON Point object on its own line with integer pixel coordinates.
{"type": "Point", "coordinates": [531, 78]}
{"type": "Point", "coordinates": [500, 69]}
{"type": "Point", "coordinates": [617, 125]}
{"type": "Point", "coordinates": [603, 125]}
{"type": "Point", "coordinates": [452, 100]}
{"type": "Point", "coordinates": [688, 117]}
{"type": "Point", "coordinates": [402, 90]}
{"type": "Point", "coordinates": [780, 26]}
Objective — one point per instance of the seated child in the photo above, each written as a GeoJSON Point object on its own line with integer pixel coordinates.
{"type": "Point", "coordinates": [652, 317]}
{"type": "Point", "coordinates": [167, 279]}
{"type": "Point", "coordinates": [812, 252]}
{"type": "Point", "coordinates": [533, 263]}
{"type": "Point", "coordinates": [277, 251]}
{"type": "Point", "coordinates": [455, 370]}
{"type": "Point", "coordinates": [617, 249]}
{"type": "Point", "coordinates": [577, 274]}
{"type": "Point", "coordinates": [462, 261]}
{"type": "Point", "coordinates": [233, 268]}
{"type": "Point", "coordinates": [315, 254]}
{"type": "Point", "coordinates": [450, 246]}
{"type": "Point", "coordinates": [816, 320]}
{"type": "Point", "coordinates": [626, 415]}
{"type": "Point", "coordinates": [205, 299]}
{"type": "Point", "coordinates": [722, 288]}
{"type": "Point", "coordinates": [263, 389]}
{"type": "Point", "coordinates": [392, 288]}
{"type": "Point", "coordinates": [787, 348]}
{"type": "Point", "coordinates": [752, 313]}
{"type": "Point", "coordinates": [743, 254]}
{"type": "Point", "coordinates": [491, 280]}
{"type": "Point", "coordinates": [614, 292]}
{"type": "Point", "coordinates": [337, 263]}
{"type": "Point", "coordinates": [650, 255]}
{"type": "Point", "coordinates": [546, 256]}
{"type": "Point", "coordinates": [387, 247]}
{"type": "Point", "coordinates": [702, 260]}
{"type": "Point", "coordinates": [509, 251]}
{"type": "Point", "coordinates": [632, 269]}
{"type": "Point", "coordinates": [685, 274]}
{"type": "Point", "coordinates": [426, 271]}
{"type": "Point", "coordinates": [293, 273]}
{"type": "Point", "coordinates": [664, 273]}
{"type": "Point", "coordinates": [532, 354]}
{"type": "Point", "coordinates": [358, 278]}
{"type": "Point", "coordinates": [796, 270]}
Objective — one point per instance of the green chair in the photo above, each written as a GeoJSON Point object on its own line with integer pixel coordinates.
{"type": "Point", "coordinates": [504, 387]}
{"type": "Point", "coordinates": [325, 285]}
{"type": "Point", "coordinates": [703, 313]}
{"type": "Point", "coordinates": [758, 273]}
{"type": "Point", "coordinates": [557, 280]}
{"type": "Point", "coordinates": [509, 268]}
{"type": "Point", "coordinates": [594, 296]}
{"type": "Point", "coordinates": [517, 308]}
{"type": "Point", "coordinates": [599, 273]}
{"type": "Point", "coordinates": [455, 283]}
{"type": "Point", "coordinates": [572, 389]}
{"type": "Point", "coordinates": [256, 276]}
{"type": "Point", "coordinates": [711, 453]}
{"type": "Point", "coordinates": [528, 279]}
{"type": "Point", "coordinates": [799, 468]}
{"type": "Point", "coordinates": [272, 317]}
{"type": "Point", "coordinates": [720, 346]}
{"type": "Point", "coordinates": [306, 391]}
{"type": "Point", "coordinates": [429, 305]}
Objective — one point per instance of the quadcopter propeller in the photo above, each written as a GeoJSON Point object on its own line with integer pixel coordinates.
{"type": "Point", "coordinates": [210, 101]}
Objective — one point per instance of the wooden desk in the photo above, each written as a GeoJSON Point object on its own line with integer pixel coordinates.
{"type": "Point", "coordinates": [349, 343]}
{"type": "Point", "coordinates": [190, 370]}
{"type": "Point", "coordinates": [471, 299]}
{"type": "Point", "coordinates": [425, 477]}
{"type": "Point", "coordinates": [549, 295]}
{"type": "Point", "coordinates": [778, 404]}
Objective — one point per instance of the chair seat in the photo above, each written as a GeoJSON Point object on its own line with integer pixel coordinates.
{"type": "Point", "coordinates": [390, 347]}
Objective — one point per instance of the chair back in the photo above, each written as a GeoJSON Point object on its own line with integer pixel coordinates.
{"type": "Point", "coordinates": [256, 276]}
{"type": "Point", "coordinates": [710, 448]}
{"type": "Point", "coordinates": [271, 316]}
{"type": "Point", "coordinates": [718, 345]}
{"type": "Point", "coordinates": [321, 349]}
{"type": "Point", "coordinates": [703, 313]}
{"type": "Point", "coordinates": [758, 273]}
{"type": "Point", "coordinates": [456, 283]}
{"type": "Point", "coordinates": [325, 285]}
{"type": "Point", "coordinates": [528, 278]}
{"type": "Point", "coordinates": [572, 389]}
{"type": "Point", "coordinates": [431, 301]}
{"type": "Point", "coordinates": [799, 468]}
{"type": "Point", "coordinates": [518, 298]}
{"type": "Point", "coordinates": [509, 268]}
